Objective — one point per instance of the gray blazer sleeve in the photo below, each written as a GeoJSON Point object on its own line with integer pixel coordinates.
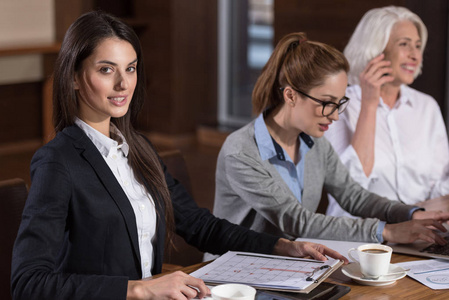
{"type": "Point", "coordinates": [355, 199]}
{"type": "Point", "coordinates": [251, 192]}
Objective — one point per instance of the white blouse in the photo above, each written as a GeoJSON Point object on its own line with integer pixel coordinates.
{"type": "Point", "coordinates": [116, 156]}
{"type": "Point", "coordinates": [411, 161]}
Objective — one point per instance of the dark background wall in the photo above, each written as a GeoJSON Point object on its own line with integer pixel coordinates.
{"type": "Point", "coordinates": [179, 39]}
{"type": "Point", "coordinates": [333, 22]}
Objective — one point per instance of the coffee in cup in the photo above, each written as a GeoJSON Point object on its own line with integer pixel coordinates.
{"type": "Point", "coordinates": [375, 251]}
{"type": "Point", "coordinates": [374, 259]}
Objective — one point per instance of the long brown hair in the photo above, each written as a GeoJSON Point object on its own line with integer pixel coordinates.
{"type": "Point", "coordinates": [297, 62]}
{"type": "Point", "coordinates": [79, 42]}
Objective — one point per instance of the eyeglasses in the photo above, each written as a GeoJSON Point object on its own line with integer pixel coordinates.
{"type": "Point", "coordinates": [329, 107]}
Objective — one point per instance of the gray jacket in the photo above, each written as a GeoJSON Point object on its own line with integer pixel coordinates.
{"type": "Point", "coordinates": [250, 192]}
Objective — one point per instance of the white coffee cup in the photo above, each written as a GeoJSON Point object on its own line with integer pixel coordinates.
{"type": "Point", "coordinates": [233, 291]}
{"type": "Point", "coordinates": [374, 259]}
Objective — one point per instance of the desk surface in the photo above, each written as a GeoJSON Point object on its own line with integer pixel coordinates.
{"type": "Point", "coordinates": [406, 288]}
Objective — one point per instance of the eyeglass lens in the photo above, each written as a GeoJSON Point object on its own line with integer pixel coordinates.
{"type": "Point", "coordinates": [329, 108]}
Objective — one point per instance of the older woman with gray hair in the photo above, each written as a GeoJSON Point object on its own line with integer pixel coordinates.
{"type": "Point", "coordinates": [392, 138]}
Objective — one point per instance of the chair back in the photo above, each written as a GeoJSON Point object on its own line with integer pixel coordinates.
{"type": "Point", "coordinates": [13, 194]}
{"type": "Point", "coordinates": [179, 253]}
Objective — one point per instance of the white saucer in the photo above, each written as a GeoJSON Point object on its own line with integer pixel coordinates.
{"type": "Point", "coordinates": [352, 270]}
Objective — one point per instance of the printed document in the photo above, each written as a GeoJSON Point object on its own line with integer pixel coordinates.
{"type": "Point", "coordinates": [433, 273]}
{"type": "Point", "coordinates": [266, 271]}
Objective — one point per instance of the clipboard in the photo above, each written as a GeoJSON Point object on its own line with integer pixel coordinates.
{"type": "Point", "coordinates": [267, 272]}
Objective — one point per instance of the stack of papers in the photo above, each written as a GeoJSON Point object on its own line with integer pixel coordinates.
{"type": "Point", "coordinates": [433, 273]}
{"type": "Point", "coordinates": [267, 271]}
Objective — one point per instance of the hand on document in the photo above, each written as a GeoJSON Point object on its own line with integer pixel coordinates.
{"type": "Point", "coordinates": [306, 249]}
{"type": "Point", "coordinates": [177, 285]}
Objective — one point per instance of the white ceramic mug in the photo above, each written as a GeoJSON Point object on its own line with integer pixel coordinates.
{"type": "Point", "coordinates": [374, 259]}
{"type": "Point", "coordinates": [233, 291]}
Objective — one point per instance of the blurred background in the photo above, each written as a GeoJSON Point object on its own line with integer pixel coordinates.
{"type": "Point", "coordinates": [202, 58]}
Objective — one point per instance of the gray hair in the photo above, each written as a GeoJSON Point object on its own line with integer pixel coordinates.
{"type": "Point", "coordinates": [372, 34]}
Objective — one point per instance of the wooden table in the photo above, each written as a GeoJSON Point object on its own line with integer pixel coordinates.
{"type": "Point", "coordinates": [405, 288]}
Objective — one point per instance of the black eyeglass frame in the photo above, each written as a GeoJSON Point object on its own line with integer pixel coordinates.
{"type": "Point", "coordinates": [336, 106]}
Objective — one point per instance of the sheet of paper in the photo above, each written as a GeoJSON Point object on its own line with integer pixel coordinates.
{"type": "Point", "coordinates": [265, 271]}
{"type": "Point", "coordinates": [433, 273]}
{"type": "Point", "coordinates": [340, 246]}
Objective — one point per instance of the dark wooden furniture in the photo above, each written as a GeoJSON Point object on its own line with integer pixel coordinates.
{"type": "Point", "coordinates": [13, 194]}
{"type": "Point", "coordinates": [179, 252]}
{"type": "Point", "coordinates": [49, 53]}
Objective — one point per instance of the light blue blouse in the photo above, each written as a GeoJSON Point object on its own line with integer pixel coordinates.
{"type": "Point", "coordinates": [270, 150]}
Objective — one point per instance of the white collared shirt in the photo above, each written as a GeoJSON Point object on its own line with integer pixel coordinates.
{"type": "Point", "coordinates": [116, 156]}
{"type": "Point", "coordinates": [411, 147]}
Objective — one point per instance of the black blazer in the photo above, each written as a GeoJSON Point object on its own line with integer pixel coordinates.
{"type": "Point", "coordinates": [78, 237]}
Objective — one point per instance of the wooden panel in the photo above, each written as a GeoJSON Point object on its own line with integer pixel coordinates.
{"type": "Point", "coordinates": [208, 101]}
{"type": "Point", "coordinates": [156, 45]}
{"type": "Point", "coordinates": [66, 12]}
{"type": "Point", "coordinates": [327, 21]}
{"type": "Point", "coordinates": [119, 8]}
{"type": "Point", "coordinates": [194, 67]}
{"type": "Point", "coordinates": [180, 63]}
{"type": "Point", "coordinates": [20, 112]}
{"type": "Point", "coordinates": [432, 81]}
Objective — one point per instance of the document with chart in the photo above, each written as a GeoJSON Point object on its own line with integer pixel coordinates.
{"type": "Point", "coordinates": [270, 272]}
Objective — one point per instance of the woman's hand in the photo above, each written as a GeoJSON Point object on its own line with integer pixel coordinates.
{"type": "Point", "coordinates": [372, 78]}
{"type": "Point", "coordinates": [177, 285]}
{"type": "Point", "coordinates": [410, 231]}
{"type": "Point", "coordinates": [305, 249]}
{"type": "Point", "coordinates": [431, 214]}
{"type": "Point", "coordinates": [376, 73]}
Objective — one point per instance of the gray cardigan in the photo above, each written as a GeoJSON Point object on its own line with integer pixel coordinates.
{"type": "Point", "coordinates": [250, 192]}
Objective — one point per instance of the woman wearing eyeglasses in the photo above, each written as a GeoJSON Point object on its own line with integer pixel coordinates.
{"type": "Point", "coordinates": [271, 173]}
{"type": "Point", "coordinates": [392, 138]}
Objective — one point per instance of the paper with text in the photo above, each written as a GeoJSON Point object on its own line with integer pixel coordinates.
{"type": "Point", "coordinates": [433, 273]}
{"type": "Point", "coordinates": [265, 271]}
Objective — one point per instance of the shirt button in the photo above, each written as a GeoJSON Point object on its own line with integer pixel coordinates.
{"type": "Point", "coordinates": [145, 235]}
{"type": "Point", "coordinates": [142, 207]}
{"type": "Point", "coordinates": [126, 183]}
{"type": "Point", "coordinates": [146, 264]}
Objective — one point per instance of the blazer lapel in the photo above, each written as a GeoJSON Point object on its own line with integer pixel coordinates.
{"type": "Point", "coordinates": [93, 156]}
